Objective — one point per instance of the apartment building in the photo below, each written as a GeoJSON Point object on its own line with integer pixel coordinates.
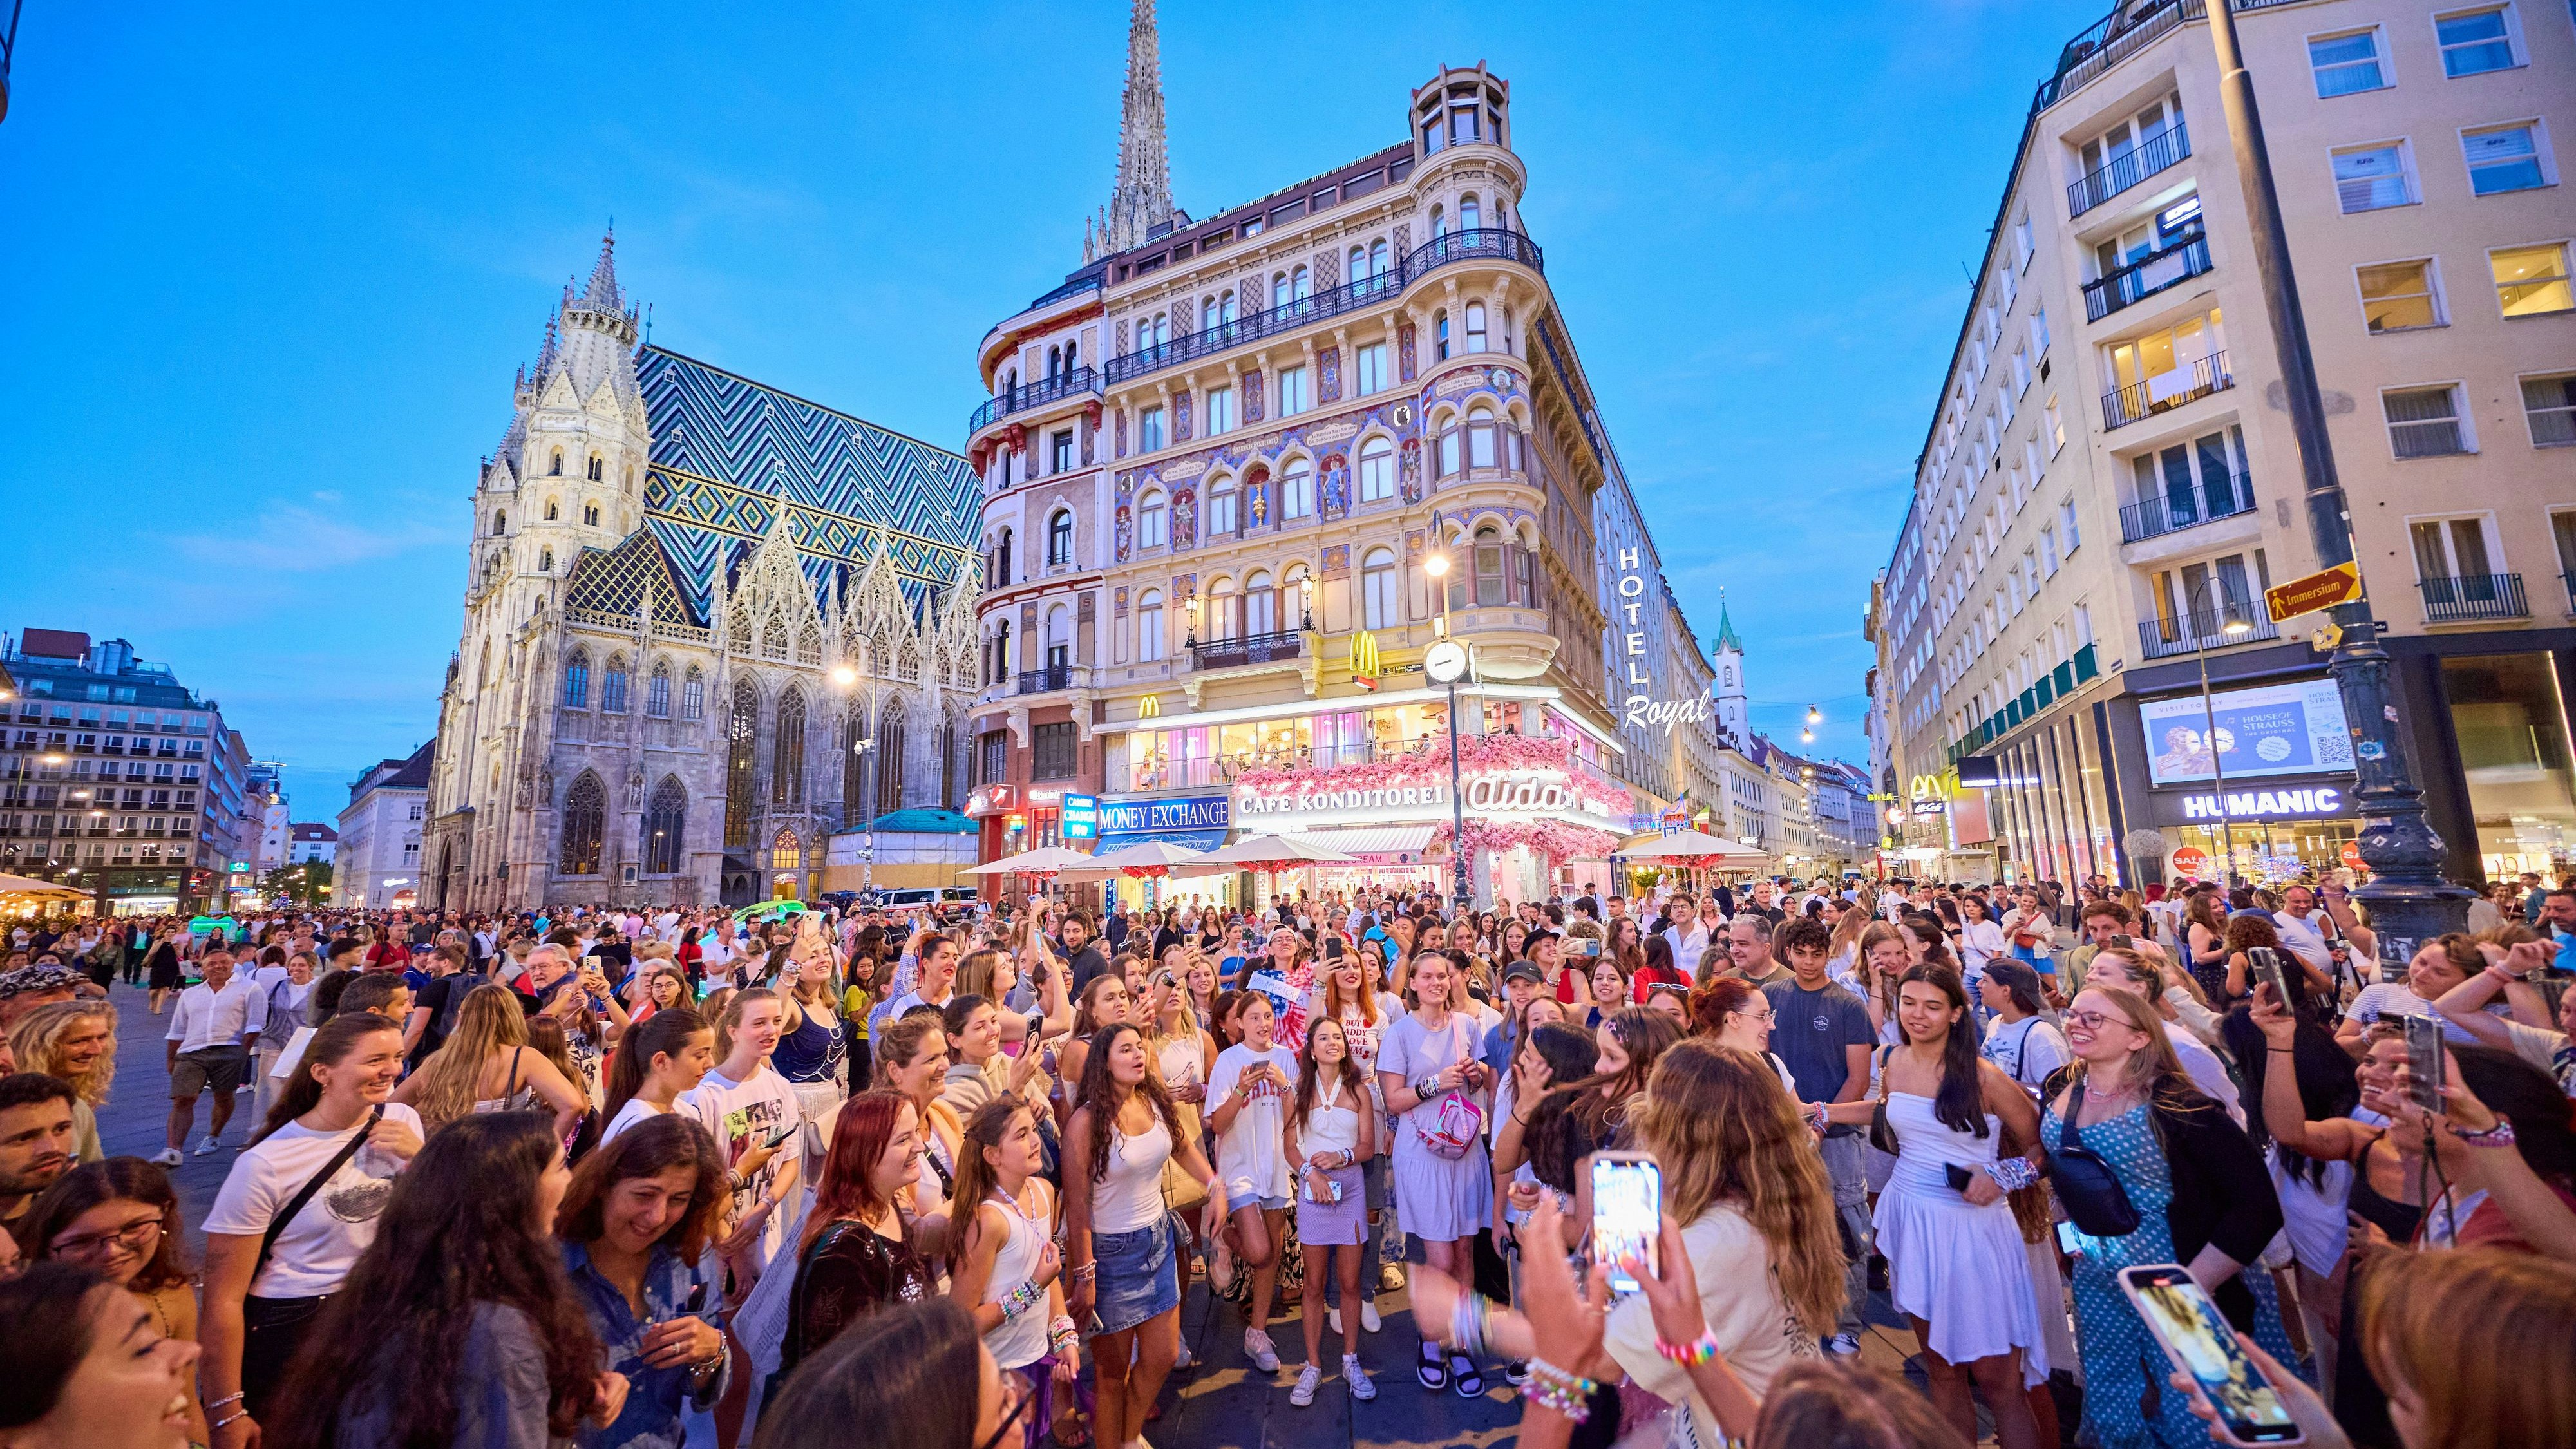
{"type": "Point", "coordinates": [2110, 482]}
{"type": "Point", "coordinates": [1240, 472]}
{"type": "Point", "coordinates": [377, 849]}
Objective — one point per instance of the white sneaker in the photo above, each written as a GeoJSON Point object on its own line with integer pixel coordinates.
{"type": "Point", "coordinates": [1307, 1379]}
{"type": "Point", "coordinates": [1357, 1377]}
{"type": "Point", "coordinates": [1182, 1359]}
{"type": "Point", "coordinates": [169, 1157]}
{"type": "Point", "coordinates": [1333, 1319]}
{"type": "Point", "coordinates": [207, 1146]}
{"type": "Point", "coordinates": [1844, 1343]}
{"type": "Point", "coordinates": [1368, 1320]}
{"type": "Point", "coordinates": [1258, 1348]}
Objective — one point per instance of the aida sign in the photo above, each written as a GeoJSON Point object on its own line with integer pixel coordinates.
{"type": "Point", "coordinates": [1503, 792]}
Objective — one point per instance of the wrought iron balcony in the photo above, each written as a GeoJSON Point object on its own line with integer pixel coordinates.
{"type": "Point", "coordinates": [2181, 508]}
{"type": "Point", "coordinates": [2161, 151]}
{"type": "Point", "coordinates": [1355, 295]}
{"type": "Point", "coordinates": [2129, 29]}
{"type": "Point", "coordinates": [1250, 649]}
{"type": "Point", "coordinates": [2147, 276]}
{"type": "Point", "coordinates": [2473, 596]}
{"type": "Point", "coordinates": [1033, 394]}
{"type": "Point", "coordinates": [2205, 629]}
{"type": "Point", "coordinates": [1046, 677]}
{"type": "Point", "coordinates": [2167, 390]}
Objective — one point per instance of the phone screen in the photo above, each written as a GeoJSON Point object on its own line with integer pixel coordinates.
{"type": "Point", "coordinates": [2200, 1343]}
{"type": "Point", "coordinates": [1627, 1213]}
{"type": "Point", "coordinates": [2123, 942]}
{"type": "Point", "coordinates": [2424, 1059]}
{"type": "Point", "coordinates": [2070, 1239]}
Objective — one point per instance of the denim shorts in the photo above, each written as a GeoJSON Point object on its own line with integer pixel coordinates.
{"type": "Point", "coordinates": [1137, 1280]}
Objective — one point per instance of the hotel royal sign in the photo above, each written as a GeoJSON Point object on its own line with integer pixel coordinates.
{"type": "Point", "coordinates": [1641, 709]}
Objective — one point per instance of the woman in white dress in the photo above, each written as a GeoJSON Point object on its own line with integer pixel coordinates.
{"type": "Point", "coordinates": [1444, 1193]}
{"type": "Point", "coordinates": [1955, 1260]}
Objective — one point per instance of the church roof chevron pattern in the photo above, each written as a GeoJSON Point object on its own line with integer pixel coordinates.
{"type": "Point", "coordinates": [730, 453]}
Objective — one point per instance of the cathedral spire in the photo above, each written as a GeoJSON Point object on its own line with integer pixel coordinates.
{"type": "Point", "coordinates": [1142, 198]}
{"type": "Point", "coordinates": [603, 293]}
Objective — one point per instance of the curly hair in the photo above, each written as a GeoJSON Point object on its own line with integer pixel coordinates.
{"type": "Point", "coordinates": [40, 1031]}
{"type": "Point", "coordinates": [455, 1240]}
{"type": "Point", "coordinates": [1101, 1098]}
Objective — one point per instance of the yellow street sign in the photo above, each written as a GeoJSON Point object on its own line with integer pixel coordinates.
{"type": "Point", "coordinates": [2338, 585]}
{"type": "Point", "coordinates": [2327, 638]}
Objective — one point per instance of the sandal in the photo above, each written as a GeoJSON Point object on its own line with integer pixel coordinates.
{"type": "Point", "coordinates": [1433, 1374]}
{"type": "Point", "coordinates": [1465, 1377]}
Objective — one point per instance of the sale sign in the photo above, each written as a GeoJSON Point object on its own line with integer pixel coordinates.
{"type": "Point", "coordinates": [2190, 860]}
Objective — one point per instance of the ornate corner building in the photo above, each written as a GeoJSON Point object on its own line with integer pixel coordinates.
{"type": "Point", "coordinates": [707, 623]}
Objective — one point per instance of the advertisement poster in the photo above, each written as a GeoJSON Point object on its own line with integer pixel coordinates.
{"type": "Point", "coordinates": [2280, 729]}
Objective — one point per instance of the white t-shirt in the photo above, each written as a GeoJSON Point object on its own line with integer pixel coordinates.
{"type": "Point", "coordinates": [2027, 1050]}
{"type": "Point", "coordinates": [1248, 1152]}
{"type": "Point", "coordinates": [742, 1116]}
{"type": "Point", "coordinates": [2385, 1000]}
{"type": "Point", "coordinates": [317, 1250]}
{"type": "Point", "coordinates": [1741, 1299]}
{"type": "Point", "coordinates": [635, 1110]}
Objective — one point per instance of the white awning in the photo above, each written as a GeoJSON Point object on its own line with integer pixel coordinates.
{"type": "Point", "coordinates": [1368, 839]}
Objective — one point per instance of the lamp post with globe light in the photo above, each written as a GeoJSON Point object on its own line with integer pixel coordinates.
{"type": "Point", "coordinates": [1444, 664]}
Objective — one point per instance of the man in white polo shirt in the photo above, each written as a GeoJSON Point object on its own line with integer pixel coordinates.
{"type": "Point", "coordinates": [214, 1031]}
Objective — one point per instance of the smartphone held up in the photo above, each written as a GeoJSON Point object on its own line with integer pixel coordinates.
{"type": "Point", "coordinates": [1627, 1214]}
{"type": "Point", "coordinates": [2186, 1322]}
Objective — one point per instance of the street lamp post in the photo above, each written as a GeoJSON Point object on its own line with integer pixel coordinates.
{"type": "Point", "coordinates": [2235, 627]}
{"type": "Point", "coordinates": [846, 679]}
{"type": "Point", "coordinates": [2408, 899]}
{"type": "Point", "coordinates": [1445, 663]}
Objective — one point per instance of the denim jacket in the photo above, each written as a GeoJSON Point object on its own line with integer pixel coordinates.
{"type": "Point", "coordinates": [656, 1399]}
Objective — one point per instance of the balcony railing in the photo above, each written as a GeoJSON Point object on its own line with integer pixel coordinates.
{"type": "Point", "coordinates": [2181, 508]}
{"type": "Point", "coordinates": [2473, 596]}
{"type": "Point", "coordinates": [2147, 276]}
{"type": "Point", "coordinates": [1250, 649]}
{"type": "Point", "coordinates": [1033, 394]}
{"type": "Point", "coordinates": [2162, 150]}
{"type": "Point", "coordinates": [1045, 678]}
{"type": "Point", "coordinates": [1358, 293]}
{"type": "Point", "coordinates": [2130, 28]}
{"type": "Point", "coordinates": [2205, 628]}
{"type": "Point", "coordinates": [2167, 390]}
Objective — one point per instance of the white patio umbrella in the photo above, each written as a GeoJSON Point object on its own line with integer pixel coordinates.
{"type": "Point", "coordinates": [1267, 852]}
{"type": "Point", "coordinates": [1046, 860]}
{"type": "Point", "coordinates": [1151, 857]}
{"type": "Point", "coordinates": [1690, 847]}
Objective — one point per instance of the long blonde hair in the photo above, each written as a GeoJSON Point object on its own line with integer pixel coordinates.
{"type": "Point", "coordinates": [2154, 1069]}
{"type": "Point", "coordinates": [489, 1020]}
{"type": "Point", "coordinates": [38, 1032]}
{"type": "Point", "coordinates": [1726, 1131]}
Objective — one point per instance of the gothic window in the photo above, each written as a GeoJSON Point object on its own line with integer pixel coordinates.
{"type": "Point", "coordinates": [554, 509]}
{"type": "Point", "coordinates": [809, 645]}
{"type": "Point", "coordinates": [742, 731]}
{"type": "Point", "coordinates": [785, 853]}
{"type": "Point", "coordinates": [576, 689]}
{"type": "Point", "coordinates": [773, 639]}
{"type": "Point", "coordinates": [590, 515]}
{"type": "Point", "coordinates": [612, 686]}
{"type": "Point", "coordinates": [693, 696]}
{"type": "Point", "coordinates": [664, 826]}
{"type": "Point", "coordinates": [500, 523]}
{"type": "Point", "coordinates": [546, 561]}
{"type": "Point", "coordinates": [557, 469]}
{"type": "Point", "coordinates": [787, 757]}
{"type": "Point", "coordinates": [1377, 471]}
{"type": "Point", "coordinates": [952, 771]}
{"type": "Point", "coordinates": [585, 815]}
{"type": "Point", "coordinates": [741, 632]}
{"type": "Point", "coordinates": [657, 693]}
{"type": "Point", "coordinates": [1060, 537]}
{"type": "Point", "coordinates": [889, 753]}
{"type": "Point", "coordinates": [854, 768]}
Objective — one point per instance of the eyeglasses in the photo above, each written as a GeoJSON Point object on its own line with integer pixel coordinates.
{"type": "Point", "coordinates": [1017, 1394]}
{"type": "Point", "coordinates": [137, 1236]}
{"type": "Point", "coordinates": [2094, 1020]}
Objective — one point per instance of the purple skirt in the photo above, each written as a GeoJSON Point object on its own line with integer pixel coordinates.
{"type": "Point", "coordinates": [1333, 1224]}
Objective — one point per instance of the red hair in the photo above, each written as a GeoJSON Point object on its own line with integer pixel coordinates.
{"type": "Point", "coordinates": [859, 1140]}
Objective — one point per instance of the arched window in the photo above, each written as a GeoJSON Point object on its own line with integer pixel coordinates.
{"type": "Point", "coordinates": [1379, 606]}
{"type": "Point", "coordinates": [1490, 588]}
{"type": "Point", "coordinates": [557, 470]}
{"type": "Point", "coordinates": [664, 826]}
{"type": "Point", "coordinates": [1475, 327]}
{"type": "Point", "coordinates": [952, 765]}
{"type": "Point", "coordinates": [1359, 263]}
{"type": "Point", "coordinates": [1467, 213]}
{"type": "Point", "coordinates": [1072, 352]}
{"type": "Point", "coordinates": [1294, 600]}
{"type": "Point", "coordinates": [500, 523]}
{"type": "Point", "coordinates": [1440, 334]}
{"type": "Point", "coordinates": [576, 690]}
{"type": "Point", "coordinates": [545, 561]}
{"type": "Point", "coordinates": [1011, 381]}
{"type": "Point", "coordinates": [1450, 461]}
{"type": "Point", "coordinates": [1297, 489]}
{"type": "Point", "coordinates": [1297, 284]}
{"type": "Point", "coordinates": [889, 753]}
{"type": "Point", "coordinates": [854, 767]}
{"type": "Point", "coordinates": [598, 468]}
{"type": "Point", "coordinates": [1059, 637]}
{"type": "Point", "coordinates": [1377, 471]}
{"type": "Point", "coordinates": [787, 755]}
{"type": "Point", "coordinates": [1439, 223]}
{"type": "Point", "coordinates": [1220, 507]}
{"type": "Point", "coordinates": [1225, 611]}
{"type": "Point", "coordinates": [1378, 258]}
{"type": "Point", "coordinates": [657, 693]}
{"type": "Point", "coordinates": [585, 816]}
{"type": "Point", "coordinates": [693, 695]}
{"type": "Point", "coordinates": [1153, 523]}
{"type": "Point", "coordinates": [1055, 363]}
{"type": "Point", "coordinates": [1002, 560]}
{"type": "Point", "coordinates": [612, 686]}
{"type": "Point", "coordinates": [554, 510]}
{"type": "Point", "coordinates": [1260, 604]}
{"type": "Point", "coordinates": [1149, 626]}
{"type": "Point", "coordinates": [1480, 436]}
{"type": "Point", "coordinates": [742, 758]}
{"type": "Point", "coordinates": [1225, 305]}
{"type": "Point", "coordinates": [785, 853]}
{"type": "Point", "coordinates": [590, 515]}
{"type": "Point", "coordinates": [1060, 537]}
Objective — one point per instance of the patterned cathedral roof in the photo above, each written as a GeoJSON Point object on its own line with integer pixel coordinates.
{"type": "Point", "coordinates": [729, 453]}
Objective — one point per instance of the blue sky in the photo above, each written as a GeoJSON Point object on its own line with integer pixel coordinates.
{"type": "Point", "coordinates": [269, 270]}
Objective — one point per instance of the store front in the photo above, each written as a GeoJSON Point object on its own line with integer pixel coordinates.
{"type": "Point", "coordinates": [2509, 718]}
{"type": "Point", "coordinates": [1189, 822]}
{"type": "Point", "coordinates": [2275, 833]}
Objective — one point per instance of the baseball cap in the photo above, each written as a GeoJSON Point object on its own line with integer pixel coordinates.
{"type": "Point", "coordinates": [1524, 971]}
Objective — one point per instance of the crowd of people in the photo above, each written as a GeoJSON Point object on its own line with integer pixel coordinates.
{"type": "Point", "coordinates": [659, 1177]}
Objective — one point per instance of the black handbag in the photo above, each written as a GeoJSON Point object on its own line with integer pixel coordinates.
{"type": "Point", "coordinates": [1882, 1133]}
{"type": "Point", "coordinates": [2094, 1198]}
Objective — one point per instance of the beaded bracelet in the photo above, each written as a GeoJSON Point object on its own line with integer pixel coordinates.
{"type": "Point", "coordinates": [1564, 1393]}
{"type": "Point", "coordinates": [1087, 1272]}
{"type": "Point", "coordinates": [1468, 1322]}
{"type": "Point", "coordinates": [1699, 1351]}
{"type": "Point", "coordinates": [1021, 1299]}
{"type": "Point", "coordinates": [233, 1417]}
{"type": "Point", "coordinates": [2012, 1174]}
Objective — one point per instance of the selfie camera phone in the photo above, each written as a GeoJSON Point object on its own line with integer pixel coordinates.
{"type": "Point", "coordinates": [1627, 1213]}
{"type": "Point", "coordinates": [781, 1135]}
{"type": "Point", "coordinates": [2424, 1062]}
{"type": "Point", "coordinates": [2267, 964]}
{"type": "Point", "coordinates": [2124, 942]}
{"type": "Point", "coordinates": [2198, 1340]}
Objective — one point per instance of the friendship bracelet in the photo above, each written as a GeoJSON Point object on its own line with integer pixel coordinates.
{"type": "Point", "coordinates": [232, 1398]}
{"type": "Point", "coordinates": [1086, 1272]}
{"type": "Point", "coordinates": [1689, 1355]}
{"type": "Point", "coordinates": [1576, 1408]}
{"type": "Point", "coordinates": [1021, 1299]}
{"type": "Point", "coordinates": [1468, 1322]}
{"type": "Point", "coordinates": [2013, 1174]}
{"type": "Point", "coordinates": [234, 1417]}
{"type": "Point", "coordinates": [1541, 1369]}
{"type": "Point", "coordinates": [2500, 1135]}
